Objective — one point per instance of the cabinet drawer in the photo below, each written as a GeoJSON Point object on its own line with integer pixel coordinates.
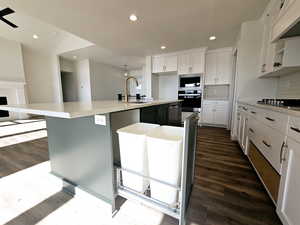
{"type": "Point", "coordinates": [268, 175]}
{"type": "Point", "coordinates": [294, 128]}
{"type": "Point", "coordinates": [271, 144]}
{"type": "Point", "coordinates": [254, 112]}
{"type": "Point", "coordinates": [253, 131]}
{"type": "Point", "coordinates": [275, 120]}
{"type": "Point", "coordinates": [268, 141]}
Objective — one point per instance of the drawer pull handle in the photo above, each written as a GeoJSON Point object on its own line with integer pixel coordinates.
{"type": "Point", "coordinates": [253, 112]}
{"type": "Point", "coordinates": [295, 129]}
{"type": "Point", "coordinates": [283, 146]}
{"type": "Point", "coordinates": [270, 119]}
{"type": "Point", "coordinates": [266, 144]}
{"type": "Point", "coordinates": [244, 108]}
{"type": "Point", "coordinates": [251, 130]}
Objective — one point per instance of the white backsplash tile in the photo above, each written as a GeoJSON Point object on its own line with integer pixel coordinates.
{"type": "Point", "coordinates": [289, 86]}
{"type": "Point", "coordinates": [216, 92]}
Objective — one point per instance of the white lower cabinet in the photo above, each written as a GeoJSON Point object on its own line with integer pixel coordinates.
{"type": "Point", "coordinates": [289, 192]}
{"type": "Point", "coordinates": [215, 112]}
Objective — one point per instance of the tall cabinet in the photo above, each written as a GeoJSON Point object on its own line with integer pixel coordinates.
{"type": "Point", "coordinates": [217, 84]}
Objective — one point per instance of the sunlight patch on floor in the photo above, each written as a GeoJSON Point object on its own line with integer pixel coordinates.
{"type": "Point", "coordinates": [23, 190]}
{"type": "Point", "coordinates": [27, 121]}
{"type": "Point", "coordinates": [21, 128]}
{"type": "Point", "coordinates": [21, 138]}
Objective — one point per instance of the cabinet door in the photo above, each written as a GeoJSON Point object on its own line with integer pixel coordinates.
{"type": "Point", "coordinates": [208, 112]}
{"type": "Point", "coordinates": [157, 64]}
{"type": "Point", "coordinates": [211, 68]}
{"type": "Point", "coordinates": [170, 63]}
{"type": "Point", "coordinates": [183, 64]}
{"type": "Point", "coordinates": [224, 68]}
{"type": "Point", "coordinates": [289, 197]}
{"type": "Point", "coordinates": [197, 60]}
{"type": "Point", "coordinates": [221, 113]}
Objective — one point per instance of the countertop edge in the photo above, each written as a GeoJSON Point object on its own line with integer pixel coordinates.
{"type": "Point", "coordinates": [284, 110]}
{"type": "Point", "coordinates": [84, 113]}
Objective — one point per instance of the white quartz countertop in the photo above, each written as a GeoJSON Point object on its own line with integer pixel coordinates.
{"type": "Point", "coordinates": [292, 111]}
{"type": "Point", "coordinates": [80, 109]}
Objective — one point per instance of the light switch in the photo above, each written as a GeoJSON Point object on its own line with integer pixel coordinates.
{"type": "Point", "coordinates": [100, 120]}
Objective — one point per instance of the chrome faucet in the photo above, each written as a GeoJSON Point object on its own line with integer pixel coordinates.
{"type": "Point", "coordinates": [126, 86]}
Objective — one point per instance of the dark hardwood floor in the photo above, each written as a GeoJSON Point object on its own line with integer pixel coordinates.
{"type": "Point", "coordinates": [226, 192]}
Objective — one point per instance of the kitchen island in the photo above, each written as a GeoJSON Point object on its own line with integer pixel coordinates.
{"type": "Point", "coordinates": [82, 138]}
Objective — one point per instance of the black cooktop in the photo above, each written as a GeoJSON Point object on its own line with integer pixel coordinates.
{"type": "Point", "coordinates": [280, 102]}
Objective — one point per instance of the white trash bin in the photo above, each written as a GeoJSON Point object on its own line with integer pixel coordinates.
{"type": "Point", "coordinates": [132, 142]}
{"type": "Point", "coordinates": [165, 147]}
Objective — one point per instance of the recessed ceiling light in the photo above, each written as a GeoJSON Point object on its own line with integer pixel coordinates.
{"type": "Point", "coordinates": [133, 17]}
{"type": "Point", "coordinates": [74, 57]}
{"type": "Point", "coordinates": [35, 36]}
{"type": "Point", "coordinates": [212, 38]}
{"type": "Point", "coordinates": [163, 47]}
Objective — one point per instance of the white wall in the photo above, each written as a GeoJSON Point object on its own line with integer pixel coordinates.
{"type": "Point", "coordinates": [168, 86]}
{"type": "Point", "coordinates": [247, 85]}
{"type": "Point", "coordinates": [84, 81]}
{"type": "Point", "coordinates": [248, 64]}
{"type": "Point", "coordinates": [11, 62]}
{"type": "Point", "coordinates": [106, 81]}
{"type": "Point", "coordinates": [42, 76]}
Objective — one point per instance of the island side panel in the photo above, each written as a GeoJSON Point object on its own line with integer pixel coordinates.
{"type": "Point", "coordinates": [81, 152]}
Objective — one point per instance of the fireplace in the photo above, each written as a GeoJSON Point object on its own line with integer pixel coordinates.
{"type": "Point", "coordinates": [3, 101]}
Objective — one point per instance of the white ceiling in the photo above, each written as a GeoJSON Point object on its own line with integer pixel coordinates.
{"type": "Point", "coordinates": [51, 39]}
{"type": "Point", "coordinates": [177, 24]}
{"type": "Point", "coordinates": [105, 56]}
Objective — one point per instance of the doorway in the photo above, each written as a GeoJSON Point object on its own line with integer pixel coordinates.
{"type": "Point", "coordinates": [69, 86]}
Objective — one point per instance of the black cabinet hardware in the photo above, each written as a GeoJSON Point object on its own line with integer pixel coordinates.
{"type": "Point", "coordinates": [253, 112]}
{"type": "Point", "coordinates": [295, 129]}
{"type": "Point", "coordinates": [281, 151]}
{"type": "Point", "coordinates": [270, 119]}
{"type": "Point", "coordinates": [266, 144]}
{"type": "Point", "coordinates": [251, 130]}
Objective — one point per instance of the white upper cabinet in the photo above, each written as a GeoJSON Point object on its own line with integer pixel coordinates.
{"type": "Point", "coordinates": [164, 63]}
{"type": "Point", "coordinates": [218, 67]}
{"type": "Point", "coordinates": [268, 48]}
{"type": "Point", "coordinates": [191, 62]}
{"type": "Point", "coordinates": [287, 17]}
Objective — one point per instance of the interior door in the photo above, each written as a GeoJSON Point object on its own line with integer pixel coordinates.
{"type": "Point", "coordinates": [211, 68]}
{"type": "Point", "coordinates": [289, 198]}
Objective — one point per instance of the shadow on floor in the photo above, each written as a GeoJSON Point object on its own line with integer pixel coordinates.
{"type": "Point", "coordinates": [42, 210]}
